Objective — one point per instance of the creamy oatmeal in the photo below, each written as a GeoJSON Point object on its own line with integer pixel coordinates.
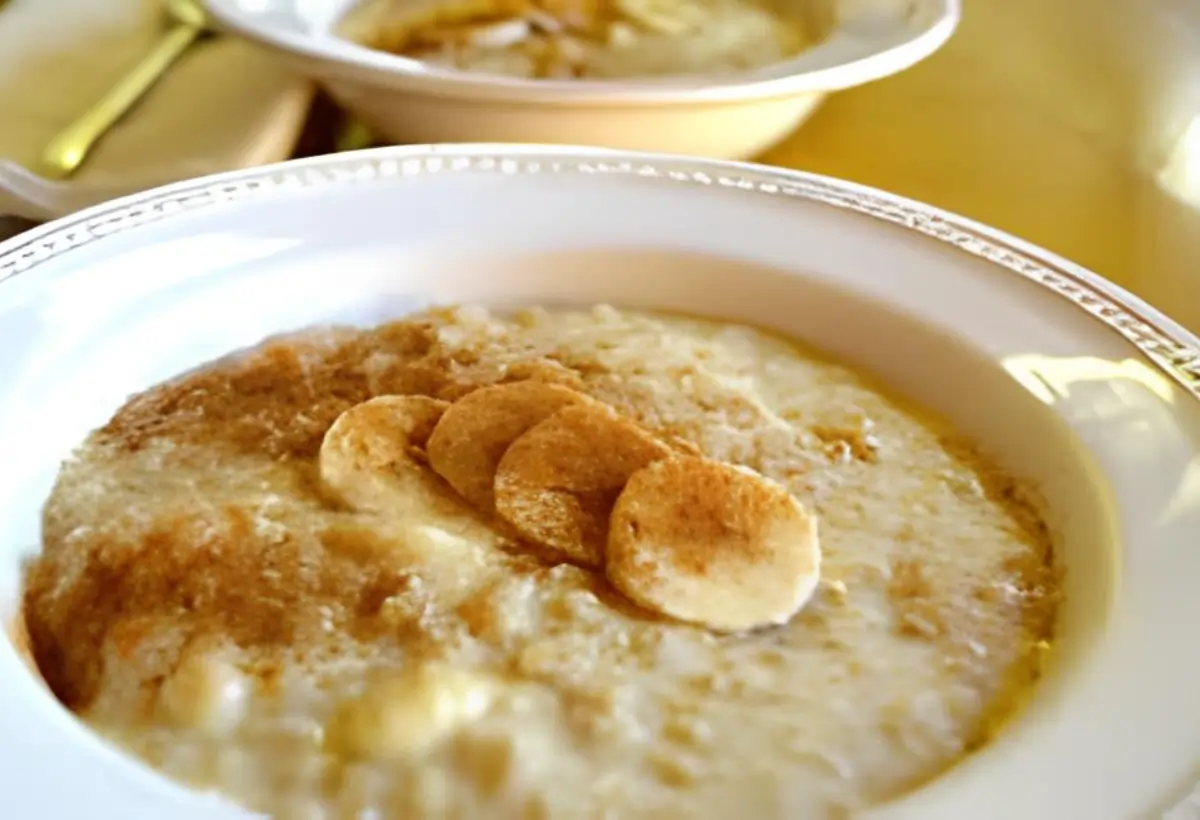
{"type": "Point", "coordinates": [559, 564]}
{"type": "Point", "coordinates": [581, 39]}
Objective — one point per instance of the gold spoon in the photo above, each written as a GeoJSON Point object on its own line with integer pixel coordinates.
{"type": "Point", "coordinates": [67, 151]}
{"type": "Point", "coordinates": [354, 135]}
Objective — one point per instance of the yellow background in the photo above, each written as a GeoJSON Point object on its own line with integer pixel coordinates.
{"type": "Point", "coordinates": [1074, 124]}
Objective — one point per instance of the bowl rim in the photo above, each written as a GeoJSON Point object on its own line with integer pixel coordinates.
{"type": "Point", "coordinates": [845, 59]}
{"type": "Point", "coordinates": [1171, 348]}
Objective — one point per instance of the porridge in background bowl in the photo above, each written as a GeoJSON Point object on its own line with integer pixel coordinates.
{"type": "Point", "coordinates": [549, 564]}
{"type": "Point", "coordinates": [567, 39]}
{"type": "Point", "coordinates": [645, 95]}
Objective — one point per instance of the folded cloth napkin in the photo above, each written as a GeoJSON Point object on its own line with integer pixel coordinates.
{"type": "Point", "coordinates": [225, 105]}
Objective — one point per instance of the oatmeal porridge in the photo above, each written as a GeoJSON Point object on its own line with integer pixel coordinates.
{"type": "Point", "coordinates": [581, 39]}
{"type": "Point", "coordinates": [588, 563]}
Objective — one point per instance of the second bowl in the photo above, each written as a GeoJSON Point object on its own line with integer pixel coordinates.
{"type": "Point", "coordinates": [730, 117]}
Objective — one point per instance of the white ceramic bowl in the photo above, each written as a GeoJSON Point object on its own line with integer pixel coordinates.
{"type": "Point", "coordinates": [736, 117]}
{"type": "Point", "coordinates": [1065, 378]}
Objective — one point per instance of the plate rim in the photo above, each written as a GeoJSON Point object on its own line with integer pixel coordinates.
{"type": "Point", "coordinates": [1169, 346]}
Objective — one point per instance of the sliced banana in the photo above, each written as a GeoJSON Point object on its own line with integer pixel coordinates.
{"type": "Point", "coordinates": [709, 543]}
{"type": "Point", "coordinates": [409, 713]}
{"type": "Point", "coordinates": [205, 693]}
{"type": "Point", "coordinates": [473, 435]}
{"type": "Point", "coordinates": [558, 482]}
{"type": "Point", "coordinates": [672, 17]}
{"type": "Point", "coordinates": [372, 458]}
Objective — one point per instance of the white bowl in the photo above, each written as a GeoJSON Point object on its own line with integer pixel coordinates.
{"type": "Point", "coordinates": [1067, 379]}
{"type": "Point", "coordinates": [735, 117]}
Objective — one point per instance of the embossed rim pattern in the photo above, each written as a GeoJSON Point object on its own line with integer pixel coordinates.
{"type": "Point", "coordinates": [1173, 349]}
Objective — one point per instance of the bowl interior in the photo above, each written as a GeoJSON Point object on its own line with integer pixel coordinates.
{"type": "Point", "coordinates": [80, 381]}
{"type": "Point", "coordinates": [351, 17]}
{"type": "Point", "coordinates": [1043, 387]}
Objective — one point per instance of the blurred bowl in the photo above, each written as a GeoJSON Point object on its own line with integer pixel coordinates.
{"type": "Point", "coordinates": [730, 116]}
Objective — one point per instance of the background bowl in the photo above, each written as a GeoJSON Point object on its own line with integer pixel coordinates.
{"type": "Point", "coordinates": [1064, 378]}
{"type": "Point", "coordinates": [730, 117]}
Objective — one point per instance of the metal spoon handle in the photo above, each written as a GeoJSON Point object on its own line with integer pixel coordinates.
{"type": "Point", "coordinates": [66, 152]}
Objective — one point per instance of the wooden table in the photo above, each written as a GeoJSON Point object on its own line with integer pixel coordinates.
{"type": "Point", "coordinates": [1072, 123]}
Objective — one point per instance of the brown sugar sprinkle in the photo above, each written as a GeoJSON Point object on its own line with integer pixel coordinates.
{"type": "Point", "coordinates": [279, 400]}
{"type": "Point", "coordinates": [707, 508]}
{"type": "Point", "coordinates": [558, 482]}
{"type": "Point", "coordinates": [215, 572]}
{"type": "Point", "coordinates": [908, 581]}
{"type": "Point", "coordinates": [548, 370]}
{"type": "Point", "coordinates": [911, 595]}
{"type": "Point", "coordinates": [210, 575]}
{"type": "Point", "coordinates": [846, 442]}
{"type": "Point", "coordinates": [475, 433]}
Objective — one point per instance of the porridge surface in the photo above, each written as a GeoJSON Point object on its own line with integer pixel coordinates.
{"type": "Point", "coordinates": [203, 601]}
{"type": "Point", "coordinates": [582, 39]}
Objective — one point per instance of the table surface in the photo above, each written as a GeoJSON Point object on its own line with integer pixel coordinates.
{"type": "Point", "coordinates": [1071, 123]}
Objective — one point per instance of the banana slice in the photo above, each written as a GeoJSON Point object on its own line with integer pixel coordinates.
{"type": "Point", "coordinates": [372, 457]}
{"type": "Point", "coordinates": [672, 17]}
{"type": "Point", "coordinates": [408, 714]}
{"type": "Point", "coordinates": [472, 436]}
{"type": "Point", "coordinates": [558, 482]}
{"type": "Point", "coordinates": [712, 544]}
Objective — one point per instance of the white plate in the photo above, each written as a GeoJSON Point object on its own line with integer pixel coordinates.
{"type": "Point", "coordinates": [733, 116]}
{"type": "Point", "coordinates": [1068, 379]}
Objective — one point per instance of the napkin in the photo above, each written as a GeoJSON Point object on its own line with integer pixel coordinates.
{"type": "Point", "coordinates": [225, 105]}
